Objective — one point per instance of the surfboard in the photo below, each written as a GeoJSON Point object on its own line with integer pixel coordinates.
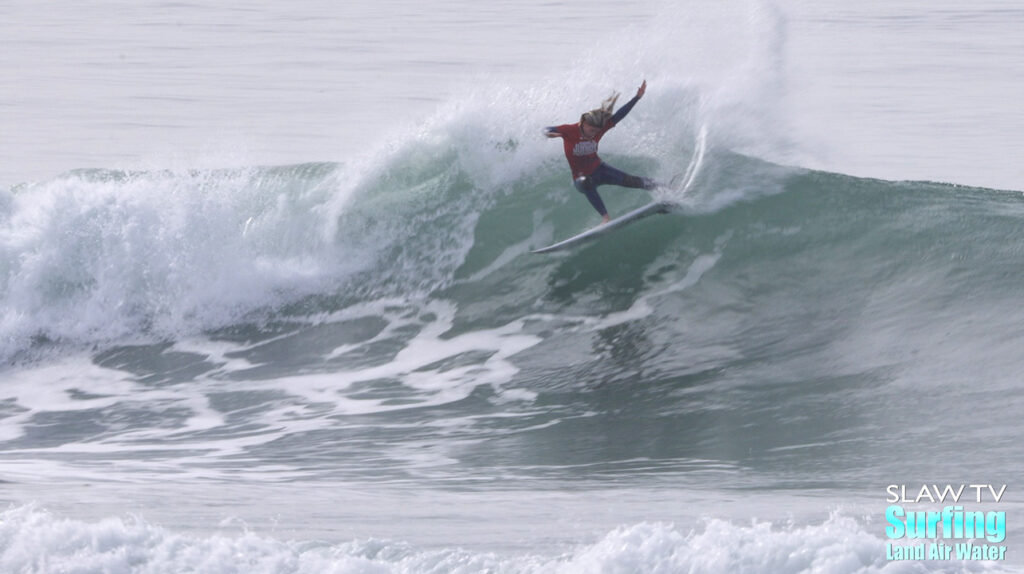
{"type": "Point", "coordinates": [617, 223]}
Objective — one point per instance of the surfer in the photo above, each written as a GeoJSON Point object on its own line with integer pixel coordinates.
{"type": "Point", "coordinates": [581, 140]}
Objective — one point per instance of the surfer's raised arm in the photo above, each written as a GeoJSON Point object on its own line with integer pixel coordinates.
{"type": "Point", "coordinates": [625, 109]}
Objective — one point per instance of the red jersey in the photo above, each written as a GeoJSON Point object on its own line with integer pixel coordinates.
{"type": "Point", "coordinates": [581, 153]}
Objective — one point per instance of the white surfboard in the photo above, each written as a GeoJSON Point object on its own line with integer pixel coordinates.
{"type": "Point", "coordinates": [621, 221]}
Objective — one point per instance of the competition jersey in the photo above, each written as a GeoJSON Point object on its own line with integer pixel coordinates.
{"type": "Point", "coordinates": [581, 153]}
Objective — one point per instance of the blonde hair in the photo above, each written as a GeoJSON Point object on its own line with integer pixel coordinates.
{"type": "Point", "coordinates": [600, 116]}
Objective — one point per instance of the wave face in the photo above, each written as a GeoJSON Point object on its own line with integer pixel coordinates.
{"type": "Point", "coordinates": [97, 256]}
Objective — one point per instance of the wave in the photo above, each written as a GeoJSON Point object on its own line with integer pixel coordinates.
{"type": "Point", "coordinates": [97, 256]}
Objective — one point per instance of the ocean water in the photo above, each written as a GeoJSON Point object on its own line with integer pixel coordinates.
{"type": "Point", "coordinates": [267, 302]}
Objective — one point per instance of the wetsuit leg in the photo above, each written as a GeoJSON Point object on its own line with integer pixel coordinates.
{"type": "Point", "coordinates": [608, 174]}
{"type": "Point", "coordinates": [588, 187]}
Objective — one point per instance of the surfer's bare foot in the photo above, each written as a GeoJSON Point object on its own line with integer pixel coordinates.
{"type": "Point", "coordinates": [605, 219]}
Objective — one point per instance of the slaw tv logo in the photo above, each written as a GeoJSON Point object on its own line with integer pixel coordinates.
{"type": "Point", "coordinates": [966, 527]}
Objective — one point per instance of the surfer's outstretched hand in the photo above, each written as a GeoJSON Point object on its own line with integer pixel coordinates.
{"type": "Point", "coordinates": [643, 88]}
